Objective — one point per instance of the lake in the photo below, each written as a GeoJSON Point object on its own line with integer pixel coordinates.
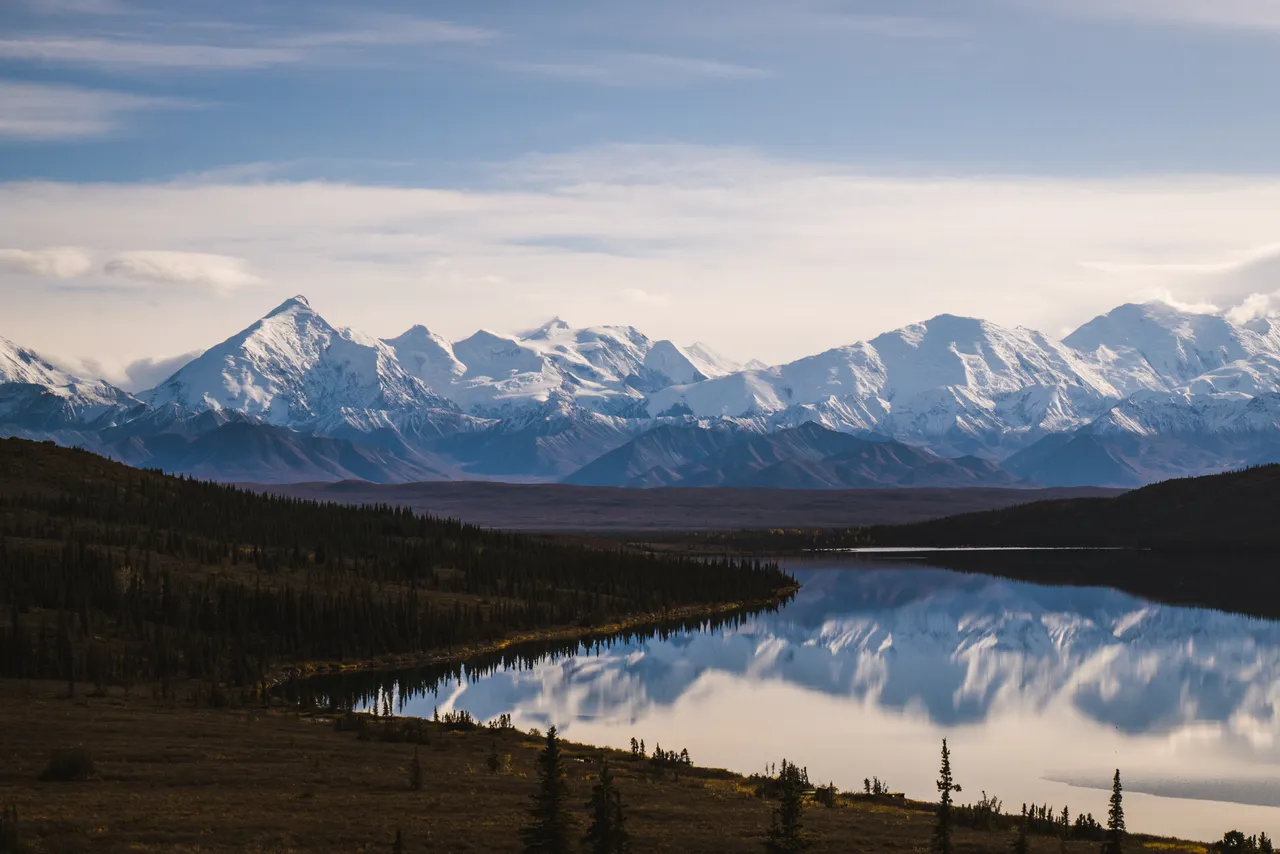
{"type": "Point", "coordinates": [1041, 692]}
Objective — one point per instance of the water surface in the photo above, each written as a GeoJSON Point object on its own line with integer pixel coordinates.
{"type": "Point", "coordinates": [1041, 691]}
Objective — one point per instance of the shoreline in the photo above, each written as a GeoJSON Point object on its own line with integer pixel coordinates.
{"type": "Point", "coordinates": [305, 670]}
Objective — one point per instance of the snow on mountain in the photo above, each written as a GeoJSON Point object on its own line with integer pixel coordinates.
{"type": "Point", "coordinates": [1155, 346]}
{"type": "Point", "coordinates": [37, 395]}
{"type": "Point", "coordinates": [961, 381]}
{"type": "Point", "coordinates": [292, 367]}
{"type": "Point", "coordinates": [428, 357]}
{"type": "Point", "coordinates": [504, 373]}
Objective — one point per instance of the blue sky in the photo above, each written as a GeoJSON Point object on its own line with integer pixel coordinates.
{"type": "Point", "coordinates": [861, 164]}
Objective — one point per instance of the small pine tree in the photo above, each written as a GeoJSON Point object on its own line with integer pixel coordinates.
{"type": "Point", "coordinates": [786, 831]}
{"type": "Point", "coordinates": [1264, 844]}
{"type": "Point", "coordinates": [946, 785]}
{"type": "Point", "coordinates": [1019, 845]}
{"type": "Point", "coordinates": [548, 828]}
{"type": "Point", "coordinates": [608, 831]}
{"type": "Point", "coordinates": [1113, 842]}
{"type": "Point", "coordinates": [415, 772]}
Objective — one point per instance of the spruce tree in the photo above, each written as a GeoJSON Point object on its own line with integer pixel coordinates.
{"type": "Point", "coordinates": [786, 832]}
{"type": "Point", "coordinates": [1019, 845]}
{"type": "Point", "coordinates": [1112, 842]}
{"type": "Point", "coordinates": [548, 828]}
{"type": "Point", "coordinates": [608, 831]}
{"type": "Point", "coordinates": [946, 785]}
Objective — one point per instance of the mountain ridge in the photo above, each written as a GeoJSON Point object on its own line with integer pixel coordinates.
{"type": "Point", "coordinates": [1150, 390]}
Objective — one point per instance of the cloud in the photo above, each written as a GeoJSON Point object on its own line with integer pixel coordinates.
{"type": "Point", "coordinates": [1253, 307]}
{"type": "Point", "coordinates": [133, 375]}
{"type": "Point", "coordinates": [642, 69]}
{"type": "Point", "coordinates": [263, 52]}
{"type": "Point", "coordinates": [764, 257]}
{"type": "Point", "coordinates": [59, 262]}
{"type": "Point", "coordinates": [83, 51]}
{"type": "Point", "coordinates": [1257, 15]}
{"type": "Point", "coordinates": [77, 7]}
{"type": "Point", "coordinates": [142, 374]}
{"type": "Point", "coordinates": [37, 111]}
{"type": "Point", "coordinates": [220, 273]}
{"type": "Point", "coordinates": [395, 30]}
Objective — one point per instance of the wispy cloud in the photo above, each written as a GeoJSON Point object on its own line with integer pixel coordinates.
{"type": "Point", "coordinates": [34, 111]}
{"type": "Point", "coordinates": [58, 262]}
{"type": "Point", "coordinates": [394, 30]}
{"type": "Point", "coordinates": [736, 240]}
{"type": "Point", "coordinates": [76, 7]}
{"type": "Point", "coordinates": [77, 51]}
{"type": "Point", "coordinates": [642, 69]}
{"type": "Point", "coordinates": [263, 50]}
{"type": "Point", "coordinates": [1258, 15]}
{"type": "Point", "coordinates": [220, 273]}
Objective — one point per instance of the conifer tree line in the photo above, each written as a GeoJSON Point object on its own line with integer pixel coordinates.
{"type": "Point", "coordinates": [119, 575]}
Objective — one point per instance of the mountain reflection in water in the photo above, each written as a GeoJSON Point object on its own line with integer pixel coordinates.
{"type": "Point", "coordinates": [867, 669]}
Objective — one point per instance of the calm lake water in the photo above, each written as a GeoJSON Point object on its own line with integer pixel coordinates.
{"type": "Point", "coordinates": [1041, 691]}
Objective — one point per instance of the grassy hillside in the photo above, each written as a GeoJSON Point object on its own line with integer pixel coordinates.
{"type": "Point", "coordinates": [116, 575]}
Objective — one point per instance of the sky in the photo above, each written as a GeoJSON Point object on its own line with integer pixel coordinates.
{"type": "Point", "coordinates": [770, 177]}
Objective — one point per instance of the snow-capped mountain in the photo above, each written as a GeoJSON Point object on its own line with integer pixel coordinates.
{"type": "Point", "coordinates": [291, 368]}
{"type": "Point", "coordinates": [1155, 346]}
{"type": "Point", "coordinates": [543, 403]}
{"type": "Point", "coordinates": [38, 396]}
{"type": "Point", "coordinates": [954, 383]}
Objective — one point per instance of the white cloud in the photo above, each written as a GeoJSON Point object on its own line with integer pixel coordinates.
{"type": "Point", "coordinates": [1263, 15]}
{"type": "Point", "coordinates": [395, 30]}
{"type": "Point", "coordinates": [220, 273]}
{"type": "Point", "coordinates": [641, 69]}
{"type": "Point", "coordinates": [1253, 307]}
{"type": "Point", "coordinates": [261, 52]}
{"type": "Point", "coordinates": [761, 257]}
{"type": "Point", "coordinates": [84, 51]}
{"type": "Point", "coordinates": [35, 111]}
{"type": "Point", "coordinates": [58, 262]}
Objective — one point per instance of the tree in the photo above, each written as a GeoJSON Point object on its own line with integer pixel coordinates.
{"type": "Point", "coordinates": [548, 828]}
{"type": "Point", "coordinates": [946, 785]}
{"type": "Point", "coordinates": [608, 831]}
{"type": "Point", "coordinates": [1019, 845]}
{"type": "Point", "coordinates": [786, 832]}
{"type": "Point", "coordinates": [1112, 843]}
{"type": "Point", "coordinates": [397, 847]}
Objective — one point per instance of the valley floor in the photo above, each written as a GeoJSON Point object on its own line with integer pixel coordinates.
{"type": "Point", "coordinates": [176, 778]}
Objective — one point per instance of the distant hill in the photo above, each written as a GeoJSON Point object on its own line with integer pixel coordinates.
{"type": "Point", "coordinates": [1230, 512]}
{"type": "Point", "coordinates": [809, 456]}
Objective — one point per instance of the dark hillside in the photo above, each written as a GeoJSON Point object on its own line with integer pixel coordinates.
{"type": "Point", "coordinates": [1226, 512]}
{"type": "Point", "coordinates": [113, 574]}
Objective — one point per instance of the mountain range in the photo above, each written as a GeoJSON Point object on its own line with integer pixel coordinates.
{"type": "Point", "coordinates": [1142, 393]}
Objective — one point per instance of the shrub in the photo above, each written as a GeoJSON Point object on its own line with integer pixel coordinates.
{"type": "Point", "coordinates": [68, 765]}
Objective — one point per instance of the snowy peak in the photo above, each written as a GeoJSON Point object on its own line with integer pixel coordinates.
{"type": "Point", "coordinates": [294, 303]}
{"type": "Point", "coordinates": [676, 365]}
{"type": "Point", "coordinates": [20, 365]}
{"type": "Point", "coordinates": [36, 395]}
{"type": "Point", "coordinates": [292, 367]}
{"type": "Point", "coordinates": [1158, 343]}
{"type": "Point", "coordinates": [429, 357]}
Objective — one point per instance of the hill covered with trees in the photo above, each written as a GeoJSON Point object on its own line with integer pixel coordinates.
{"type": "Point", "coordinates": [1231, 512]}
{"type": "Point", "coordinates": [119, 575]}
